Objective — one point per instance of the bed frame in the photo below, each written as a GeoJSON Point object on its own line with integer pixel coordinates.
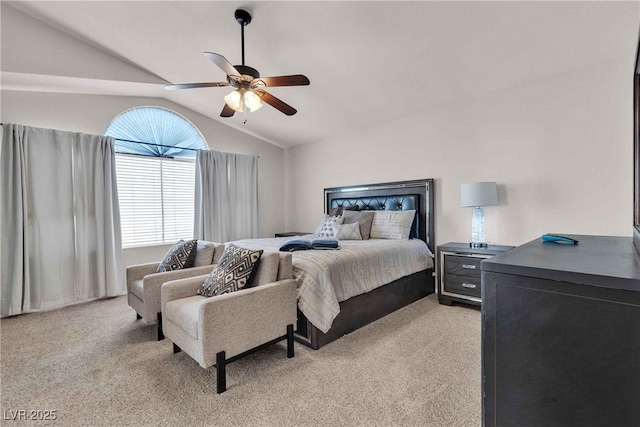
{"type": "Point", "coordinates": [363, 309]}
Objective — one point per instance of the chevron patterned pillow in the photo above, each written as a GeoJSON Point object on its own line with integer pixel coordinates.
{"type": "Point", "coordinates": [181, 255]}
{"type": "Point", "coordinates": [233, 272]}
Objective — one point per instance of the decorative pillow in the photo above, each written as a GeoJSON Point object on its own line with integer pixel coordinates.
{"type": "Point", "coordinates": [325, 228]}
{"type": "Point", "coordinates": [181, 255]}
{"type": "Point", "coordinates": [364, 218]}
{"type": "Point", "coordinates": [414, 234]}
{"type": "Point", "coordinates": [339, 210]}
{"type": "Point", "coordinates": [392, 224]}
{"type": "Point", "coordinates": [347, 231]}
{"type": "Point", "coordinates": [204, 253]}
{"type": "Point", "coordinates": [233, 272]}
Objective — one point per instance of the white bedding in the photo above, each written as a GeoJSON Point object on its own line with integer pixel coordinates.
{"type": "Point", "coordinates": [327, 277]}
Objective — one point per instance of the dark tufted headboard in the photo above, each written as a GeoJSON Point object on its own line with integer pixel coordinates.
{"type": "Point", "coordinates": [379, 203]}
{"type": "Point", "coordinates": [403, 195]}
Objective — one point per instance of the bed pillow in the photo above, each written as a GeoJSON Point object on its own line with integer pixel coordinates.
{"type": "Point", "coordinates": [181, 255]}
{"type": "Point", "coordinates": [363, 218]}
{"type": "Point", "coordinates": [234, 271]}
{"type": "Point", "coordinates": [339, 210]}
{"type": "Point", "coordinates": [392, 224]}
{"type": "Point", "coordinates": [347, 231]}
{"type": "Point", "coordinates": [413, 234]}
{"type": "Point", "coordinates": [325, 228]}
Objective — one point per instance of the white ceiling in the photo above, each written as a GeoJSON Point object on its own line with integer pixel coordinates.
{"type": "Point", "coordinates": [368, 62]}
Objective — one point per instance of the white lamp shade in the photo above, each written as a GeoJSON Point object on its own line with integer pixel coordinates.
{"type": "Point", "coordinates": [252, 101]}
{"type": "Point", "coordinates": [475, 194]}
{"type": "Point", "coordinates": [234, 100]}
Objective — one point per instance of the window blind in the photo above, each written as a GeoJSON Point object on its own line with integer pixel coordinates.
{"type": "Point", "coordinates": [156, 199]}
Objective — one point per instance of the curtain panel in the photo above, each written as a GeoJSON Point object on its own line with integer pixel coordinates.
{"type": "Point", "coordinates": [226, 196]}
{"type": "Point", "coordinates": [59, 219]}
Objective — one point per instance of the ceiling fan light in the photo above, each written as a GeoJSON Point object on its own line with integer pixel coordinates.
{"type": "Point", "coordinates": [234, 100]}
{"type": "Point", "coordinates": [252, 101]}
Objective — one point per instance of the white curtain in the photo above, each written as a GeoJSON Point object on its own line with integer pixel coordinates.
{"type": "Point", "coordinates": [226, 196]}
{"type": "Point", "coordinates": [59, 219]}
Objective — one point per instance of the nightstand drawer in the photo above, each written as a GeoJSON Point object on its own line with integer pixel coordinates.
{"type": "Point", "coordinates": [464, 285]}
{"type": "Point", "coordinates": [459, 272]}
{"type": "Point", "coordinates": [462, 265]}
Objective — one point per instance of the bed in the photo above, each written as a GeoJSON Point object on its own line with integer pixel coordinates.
{"type": "Point", "coordinates": [363, 280]}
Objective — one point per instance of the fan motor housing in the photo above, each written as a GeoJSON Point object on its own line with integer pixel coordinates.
{"type": "Point", "coordinates": [247, 71]}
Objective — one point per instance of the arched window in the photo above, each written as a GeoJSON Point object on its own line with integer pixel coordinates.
{"type": "Point", "coordinates": [155, 167]}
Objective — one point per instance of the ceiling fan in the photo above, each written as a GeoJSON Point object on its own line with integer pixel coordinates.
{"type": "Point", "coordinates": [249, 86]}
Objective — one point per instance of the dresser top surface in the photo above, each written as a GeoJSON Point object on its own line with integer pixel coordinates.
{"type": "Point", "coordinates": [464, 248]}
{"type": "Point", "coordinates": [589, 262]}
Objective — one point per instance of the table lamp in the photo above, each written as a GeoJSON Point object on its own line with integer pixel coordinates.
{"type": "Point", "coordinates": [476, 195]}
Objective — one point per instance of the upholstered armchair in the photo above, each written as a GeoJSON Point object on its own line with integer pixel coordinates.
{"type": "Point", "coordinates": [221, 329]}
{"type": "Point", "coordinates": [144, 284]}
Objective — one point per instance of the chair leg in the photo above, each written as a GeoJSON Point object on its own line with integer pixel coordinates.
{"type": "Point", "coordinates": [221, 372]}
{"type": "Point", "coordinates": [160, 333]}
{"type": "Point", "coordinates": [290, 351]}
{"type": "Point", "coordinates": [176, 349]}
{"type": "Point", "coordinates": [138, 317]}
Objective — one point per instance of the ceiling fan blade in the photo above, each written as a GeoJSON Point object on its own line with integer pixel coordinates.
{"type": "Point", "coordinates": [277, 103]}
{"type": "Point", "coordinates": [295, 80]}
{"type": "Point", "coordinates": [195, 85]}
{"type": "Point", "coordinates": [222, 62]}
{"type": "Point", "coordinates": [227, 111]}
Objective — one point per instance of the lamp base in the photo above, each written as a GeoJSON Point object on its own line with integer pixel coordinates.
{"type": "Point", "coordinates": [477, 229]}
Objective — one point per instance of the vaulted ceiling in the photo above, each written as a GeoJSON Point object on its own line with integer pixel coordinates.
{"type": "Point", "coordinates": [368, 62]}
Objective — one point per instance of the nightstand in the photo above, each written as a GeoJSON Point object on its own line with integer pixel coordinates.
{"type": "Point", "coordinates": [291, 234]}
{"type": "Point", "coordinates": [459, 277]}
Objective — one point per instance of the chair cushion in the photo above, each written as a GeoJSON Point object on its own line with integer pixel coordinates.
{"type": "Point", "coordinates": [184, 313]}
{"type": "Point", "coordinates": [267, 269]}
{"type": "Point", "coordinates": [136, 289]}
{"type": "Point", "coordinates": [181, 255]}
{"type": "Point", "coordinates": [204, 253]}
{"type": "Point", "coordinates": [233, 272]}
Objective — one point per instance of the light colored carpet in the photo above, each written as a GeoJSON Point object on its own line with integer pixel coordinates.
{"type": "Point", "coordinates": [96, 365]}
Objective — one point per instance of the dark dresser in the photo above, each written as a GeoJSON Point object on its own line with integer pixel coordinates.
{"type": "Point", "coordinates": [561, 334]}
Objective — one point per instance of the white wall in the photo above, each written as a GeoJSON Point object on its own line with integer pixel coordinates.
{"type": "Point", "coordinates": [92, 113]}
{"type": "Point", "coordinates": [560, 150]}
{"type": "Point", "coordinates": [29, 46]}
